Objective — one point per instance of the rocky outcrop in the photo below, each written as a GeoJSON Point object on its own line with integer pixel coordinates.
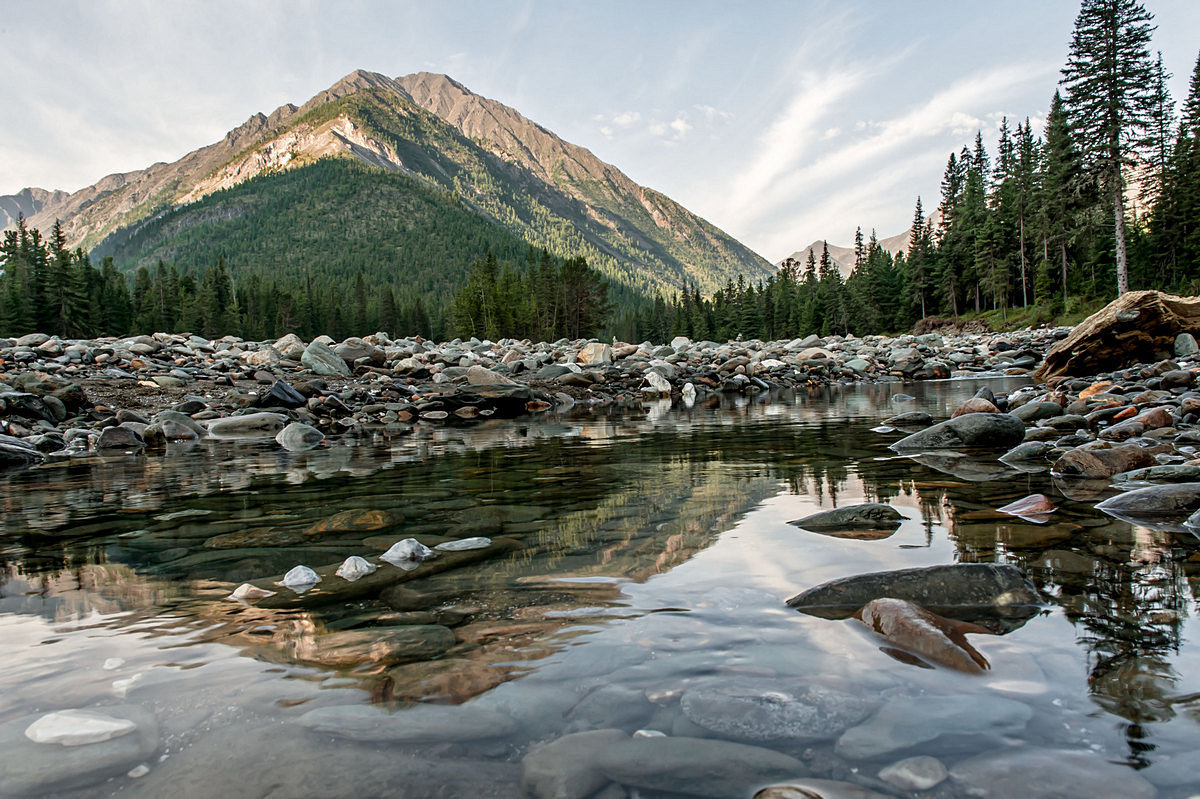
{"type": "Point", "coordinates": [1139, 326]}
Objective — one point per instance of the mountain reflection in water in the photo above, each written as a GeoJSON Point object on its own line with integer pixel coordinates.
{"type": "Point", "coordinates": [646, 550]}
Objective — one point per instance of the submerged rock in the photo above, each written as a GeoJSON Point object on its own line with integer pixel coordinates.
{"type": "Point", "coordinates": [298, 437]}
{"type": "Point", "coordinates": [1034, 507]}
{"type": "Point", "coordinates": [1091, 464]}
{"type": "Point", "coordinates": [37, 769]}
{"type": "Point", "coordinates": [764, 710]}
{"type": "Point", "coordinates": [907, 721]}
{"type": "Point", "coordinates": [818, 789]}
{"type": "Point", "coordinates": [77, 728]}
{"type": "Point", "coordinates": [926, 636]}
{"type": "Point", "coordinates": [1047, 772]}
{"type": "Point", "coordinates": [695, 766]}
{"type": "Point", "coordinates": [564, 768]}
{"type": "Point", "coordinates": [972, 430]}
{"type": "Point", "coordinates": [253, 425]}
{"type": "Point", "coordinates": [418, 724]}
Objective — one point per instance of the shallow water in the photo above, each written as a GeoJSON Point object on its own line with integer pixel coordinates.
{"type": "Point", "coordinates": [649, 553]}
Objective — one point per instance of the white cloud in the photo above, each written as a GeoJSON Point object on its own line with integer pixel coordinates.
{"type": "Point", "coordinates": [681, 127]}
{"type": "Point", "coordinates": [711, 114]}
{"type": "Point", "coordinates": [626, 118]}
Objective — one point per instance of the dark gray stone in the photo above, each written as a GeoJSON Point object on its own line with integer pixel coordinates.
{"type": "Point", "coordinates": [868, 516]}
{"type": "Point", "coordinates": [972, 430]}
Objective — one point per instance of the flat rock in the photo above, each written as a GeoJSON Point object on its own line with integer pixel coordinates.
{"type": "Point", "coordinates": [251, 425]}
{"type": "Point", "coordinates": [915, 773]}
{"type": "Point", "coordinates": [564, 768]}
{"type": "Point", "coordinates": [35, 769]}
{"type": "Point", "coordinates": [383, 645]}
{"type": "Point", "coordinates": [1049, 773]}
{"type": "Point", "coordinates": [907, 721]}
{"type": "Point", "coordinates": [764, 710]}
{"type": "Point", "coordinates": [868, 517]}
{"type": "Point", "coordinates": [949, 590]}
{"type": "Point", "coordinates": [417, 724]}
{"type": "Point", "coordinates": [982, 430]}
{"type": "Point", "coordinates": [696, 766]}
{"type": "Point", "coordinates": [1173, 501]}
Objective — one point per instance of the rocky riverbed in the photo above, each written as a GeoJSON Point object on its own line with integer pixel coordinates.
{"type": "Point", "coordinates": [62, 399]}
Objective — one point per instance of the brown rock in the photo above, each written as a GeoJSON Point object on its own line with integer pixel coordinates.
{"type": "Point", "coordinates": [1096, 388]}
{"type": "Point", "coordinates": [975, 405]}
{"type": "Point", "coordinates": [354, 520]}
{"type": "Point", "coordinates": [1098, 463]}
{"type": "Point", "coordinates": [1137, 326]}
{"type": "Point", "coordinates": [1154, 418]}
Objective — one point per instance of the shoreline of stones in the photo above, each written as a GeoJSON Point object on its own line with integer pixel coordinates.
{"type": "Point", "coordinates": [63, 399]}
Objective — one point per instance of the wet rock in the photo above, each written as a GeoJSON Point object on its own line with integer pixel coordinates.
{"type": "Point", "coordinates": [1137, 326]}
{"type": "Point", "coordinates": [908, 420]}
{"type": "Point", "coordinates": [982, 430]}
{"type": "Point", "coordinates": [78, 727]}
{"type": "Point", "coordinates": [611, 706]}
{"type": "Point", "coordinates": [818, 789]}
{"type": "Point", "coordinates": [695, 766]}
{"type": "Point", "coordinates": [28, 768]}
{"type": "Point", "coordinates": [119, 437]}
{"type": "Point", "coordinates": [253, 425]}
{"type": "Point", "coordinates": [915, 773]}
{"type": "Point", "coordinates": [1027, 451]}
{"type": "Point", "coordinates": [17, 452]}
{"type": "Point", "coordinates": [1174, 501]}
{"type": "Point", "coordinates": [1034, 506]}
{"type": "Point", "coordinates": [418, 724]}
{"type": "Point", "coordinates": [1054, 773]}
{"type": "Point", "coordinates": [1092, 464]}
{"type": "Point", "coordinates": [299, 437]}
{"type": "Point", "coordinates": [907, 721]}
{"type": "Point", "coordinates": [300, 579]}
{"type": "Point", "coordinates": [354, 567]}
{"type": "Point", "coordinates": [872, 520]}
{"type": "Point", "coordinates": [353, 521]}
{"type": "Point", "coordinates": [320, 357]}
{"type": "Point", "coordinates": [1174, 473]}
{"type": "Point", "coordinates": [267, 537]}
{"type": "Point", "coordinates": [564, 768]}
{"type": "Point", "coordinates": [764, 710]}
{"type": "Point", "coordinates": [376, 645]}
{"type": "Point", "coordinates": [961, 590]}
{"type": "Point", "coordinates": [1035, 411]}
{"type": "Point", "coordinates": [927, 637]}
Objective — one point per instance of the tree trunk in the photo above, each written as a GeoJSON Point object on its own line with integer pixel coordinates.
{"type": "Point", "coordinates": [1024, 296]}
{"type": "Point", "coordinates": [1119, 222]}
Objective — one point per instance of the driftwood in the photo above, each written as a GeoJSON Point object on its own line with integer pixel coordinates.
{"type": "Point", "coordinates": [1137, 327]}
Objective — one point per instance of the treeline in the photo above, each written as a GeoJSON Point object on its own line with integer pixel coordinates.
{"type": "Point", "coordinates": [46, 287]}
{"type": "Point", "coordinates": [544, 299]}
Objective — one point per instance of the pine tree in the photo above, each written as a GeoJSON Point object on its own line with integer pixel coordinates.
{"type": "Point", "coordinates": [1109, 78]}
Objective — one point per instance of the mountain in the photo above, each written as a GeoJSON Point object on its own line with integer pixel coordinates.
{"type": "Point", "coordinates": [28, 203]}
{"type": "Point", "coordinates": [843, 257]}
{"type": "Point", "coordinates": [416, 130]}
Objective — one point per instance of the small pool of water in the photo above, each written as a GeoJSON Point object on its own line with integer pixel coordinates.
{"type": "Point", "coordinates": [645, 555]}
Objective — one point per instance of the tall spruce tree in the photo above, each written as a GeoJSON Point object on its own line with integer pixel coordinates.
{"type": "Point", "coordinates": [1109, 79]}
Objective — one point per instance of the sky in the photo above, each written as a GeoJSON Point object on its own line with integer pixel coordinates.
{"type": "Point", "coordinates": [779, 122]}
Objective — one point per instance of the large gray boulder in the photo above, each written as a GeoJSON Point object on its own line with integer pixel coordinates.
{"type": "Point", "coordinates": [976, 430]}
{"type": "Point", "coordinates": [321, 358]}
{"type": "Point", "coordinates": [940, 589]}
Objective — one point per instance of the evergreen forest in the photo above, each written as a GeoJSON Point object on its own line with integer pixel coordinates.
{"type": "Point", "coordinates": [1036, 226]}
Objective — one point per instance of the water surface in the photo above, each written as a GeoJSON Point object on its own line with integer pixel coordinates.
{"type": "Point", "coordinates": [649, 552]}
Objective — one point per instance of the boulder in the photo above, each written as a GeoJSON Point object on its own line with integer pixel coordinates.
{"type": "Point", "coordinates": [974, 430]}
{"type": "Point", "coordinates": [767, 710]}
{"type": "Point", "coordinates": [482, 376]}
{"type": "Point", "coordinates": [595, 353]}
{"type": "Point", "coordinates": [563, 768]}
{"type": "Point", "coordinates": [1047, 772]}
{"type": "Point", "coordinates": [974, 405]}
{"type": "Point", "coordinates": [922, 637]}
{"type": "Point", "coordinates": [321, 358]}
{"type": "Point", "coordinates": [871, 519]}
{"type": "Point", "coordinates": [1092, 464]}
{"type": "Point", "coordinates": [1170, 502]}
{"type": "Point", "coordinates": [695, 766]}
{"type": "Point", "coordinates": [908, 721]}
{"type": "Point", "coordinates": [251, 425]}
{"type": "Point", "coordinates": [1137, 327]}
{"type": "Point", "coordinates": [960, 590]}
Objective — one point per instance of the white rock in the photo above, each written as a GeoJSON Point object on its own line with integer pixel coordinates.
{"type": "Point", "coordinates": [354, 567]}
{"type": "Point", "coordinates": [248, 593]}
{"type": "Point", "coordinates": [407, 554]}
{"type": "Point", "coordinates": [478, 542]}
{"type": "Point", "coordinates": [138, 771]}
{"type": "Point", "coordinates": [658, 384]}
{"type": "Point", "coordinates": [112, 664]}
{"type": "Point", "coordinates": [915, 773]}
{"type": "Point", "coordinates": [77, 727]}
{"type": "Point", "coordinates": [300, 579]}
{"type": "Point", "coordinates": [689, 394]}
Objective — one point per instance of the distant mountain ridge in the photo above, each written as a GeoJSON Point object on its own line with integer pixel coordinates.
{"type": "Point", "coordinates": [499, 163]}
{"type": "Point", "coordinates": [843, 257]}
